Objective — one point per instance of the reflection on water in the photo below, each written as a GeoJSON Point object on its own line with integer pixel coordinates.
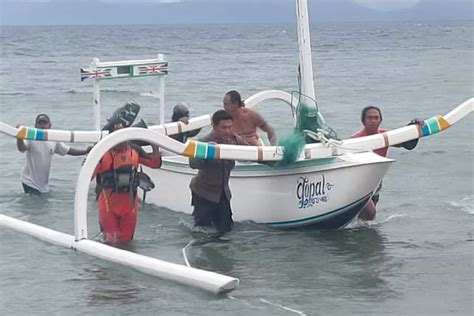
{"type": "Point", "coordinates": [114, 294]}
{"type": "Point", "coordinates": [340, 262]}
{"type": "Point", "coordinates": [108, 288]}
{"type": "Point", "coordinates": [362, 252]}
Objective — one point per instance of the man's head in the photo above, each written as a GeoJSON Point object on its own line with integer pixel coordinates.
{"type": "Point", "coordinates": [42, 121]}
{"type": "Point", "coordinates": [232, 101]}
{"type": "Point", "coordinates": [371, 118]}
{"type": "Point", "coordinates": [222, 123]}
{"type": "Point", "coordinates": [180, 110]}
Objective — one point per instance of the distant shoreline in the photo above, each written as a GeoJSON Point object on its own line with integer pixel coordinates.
{"type": "Point", "coordinates": [148, 12]}
{"type": "Point", "coordinates": [239, 23]}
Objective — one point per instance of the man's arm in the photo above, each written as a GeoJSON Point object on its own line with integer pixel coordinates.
{"type": "Point", "coordinates": [20, 144]}
{"type": "Point", "coordinates": [193, 132]}
{"type": "Point", "coordinates": [270, 133]}
{"type": "Point", "coordinates": [152, 160]}
{"type": "Point", "coordinates": [78, 152]}
{"type": "Point", "coordinates": [264, 126]}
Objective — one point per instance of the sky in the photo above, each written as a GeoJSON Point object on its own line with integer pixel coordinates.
{"type": "Point", "coordinates": [98, 12]}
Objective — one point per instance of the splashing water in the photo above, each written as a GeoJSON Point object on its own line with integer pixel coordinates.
{"type": "Point", "coordinates": [464, 205]}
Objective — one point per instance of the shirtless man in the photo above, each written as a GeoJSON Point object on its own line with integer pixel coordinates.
{"type": "Point", "coordinates": [246, 121]}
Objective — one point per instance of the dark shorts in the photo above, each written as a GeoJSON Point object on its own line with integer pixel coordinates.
{"type": "Point", "coordinates": [30, 190]}
{"type": "Point", "coordinates": [207, 213]}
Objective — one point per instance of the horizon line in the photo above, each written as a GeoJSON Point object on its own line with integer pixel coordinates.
{"type": "Point", "coordinates": [248, 22]}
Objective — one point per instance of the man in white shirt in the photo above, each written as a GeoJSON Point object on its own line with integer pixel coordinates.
{"type": "Point", "coordinates": [35, 173]}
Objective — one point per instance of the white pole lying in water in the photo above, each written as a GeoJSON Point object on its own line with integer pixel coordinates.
{"type": "Point", "coordinates": [203, 279]}
{"type": "Point", "coordinates": [209, 281]}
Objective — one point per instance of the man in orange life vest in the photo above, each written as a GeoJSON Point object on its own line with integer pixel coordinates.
{"type": "Point", "coordinates": [117, 181]}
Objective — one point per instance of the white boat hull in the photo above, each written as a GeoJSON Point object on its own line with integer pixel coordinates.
{"type": "Point", "coordinates": [318, 193]}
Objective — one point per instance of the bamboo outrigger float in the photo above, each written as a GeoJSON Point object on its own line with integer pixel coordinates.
{"type": "Point", "coordinates": [326, 187]}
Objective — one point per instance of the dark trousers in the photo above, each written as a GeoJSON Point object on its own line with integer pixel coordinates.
{"type": "Point", "coordinates": [30, 190]}
{"type": "Point", "coordinates": [207, 213]}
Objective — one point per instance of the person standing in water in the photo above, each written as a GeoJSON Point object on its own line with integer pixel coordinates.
{"type": "Point", "coordinates": [210, 187]}
{"type": "Point", "coordinates": [371, 118]}
{"type": "Point", "coordinates": [118, 178]}
{"type": "Point", "coordinates": [39, 155]}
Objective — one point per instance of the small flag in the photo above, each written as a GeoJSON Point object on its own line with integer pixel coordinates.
{"type": "Point", "coordinates": [153, 69]}
{"type": "Point", "coordinates": [95, 73]}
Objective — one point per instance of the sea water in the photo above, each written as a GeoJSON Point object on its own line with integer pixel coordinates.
{"type": "Point", "coordinates": [415, 258]}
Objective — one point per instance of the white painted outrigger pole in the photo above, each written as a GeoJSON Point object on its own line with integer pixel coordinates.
{"type": "Point", "coordinates": [207, 280]}
{"type": "Point", "coordinates": [126, 69]}
{"type": "Point", "coordinates": [304, 44]}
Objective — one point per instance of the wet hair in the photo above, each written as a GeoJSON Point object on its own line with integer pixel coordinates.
{"type": "Point", "coordinates": [368, 108]}
{"type": "Point", "coordinates": [220, 115]}
{"type": "Point", "coordinates": [235, 97]}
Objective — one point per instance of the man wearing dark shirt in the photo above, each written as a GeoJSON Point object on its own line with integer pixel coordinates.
{"type": "Point", "coordinates": [210, 187]}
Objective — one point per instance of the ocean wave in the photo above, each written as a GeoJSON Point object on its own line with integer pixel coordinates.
{"type": "Point", "coordinates": [464, 205]}
{"type": "Point", "coordinates": [433, 152]}
{"type": "Point", "coordinates": [23, 54]}
{"type": "Point", "coordinates": [379, 220]}
{"type": "Point", "coordinates": [15, 93]}
{"type": "Point", "coordinates": [149, 94]}
{"type": "Point", "coordinates": [74, 91]}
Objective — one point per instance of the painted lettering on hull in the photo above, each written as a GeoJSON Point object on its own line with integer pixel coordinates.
{"type": "Point", "coordinates": [310, 192]}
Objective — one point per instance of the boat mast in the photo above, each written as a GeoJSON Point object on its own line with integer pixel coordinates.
{"type": "Point", "coordinates": [304, 44]}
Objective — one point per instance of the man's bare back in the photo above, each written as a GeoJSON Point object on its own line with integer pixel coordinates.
{"type": "Point", "coordinates": [246, 121]}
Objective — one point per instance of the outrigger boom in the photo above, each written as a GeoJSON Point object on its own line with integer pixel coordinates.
{"type": "Point", "coordinates": [198, 149]}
